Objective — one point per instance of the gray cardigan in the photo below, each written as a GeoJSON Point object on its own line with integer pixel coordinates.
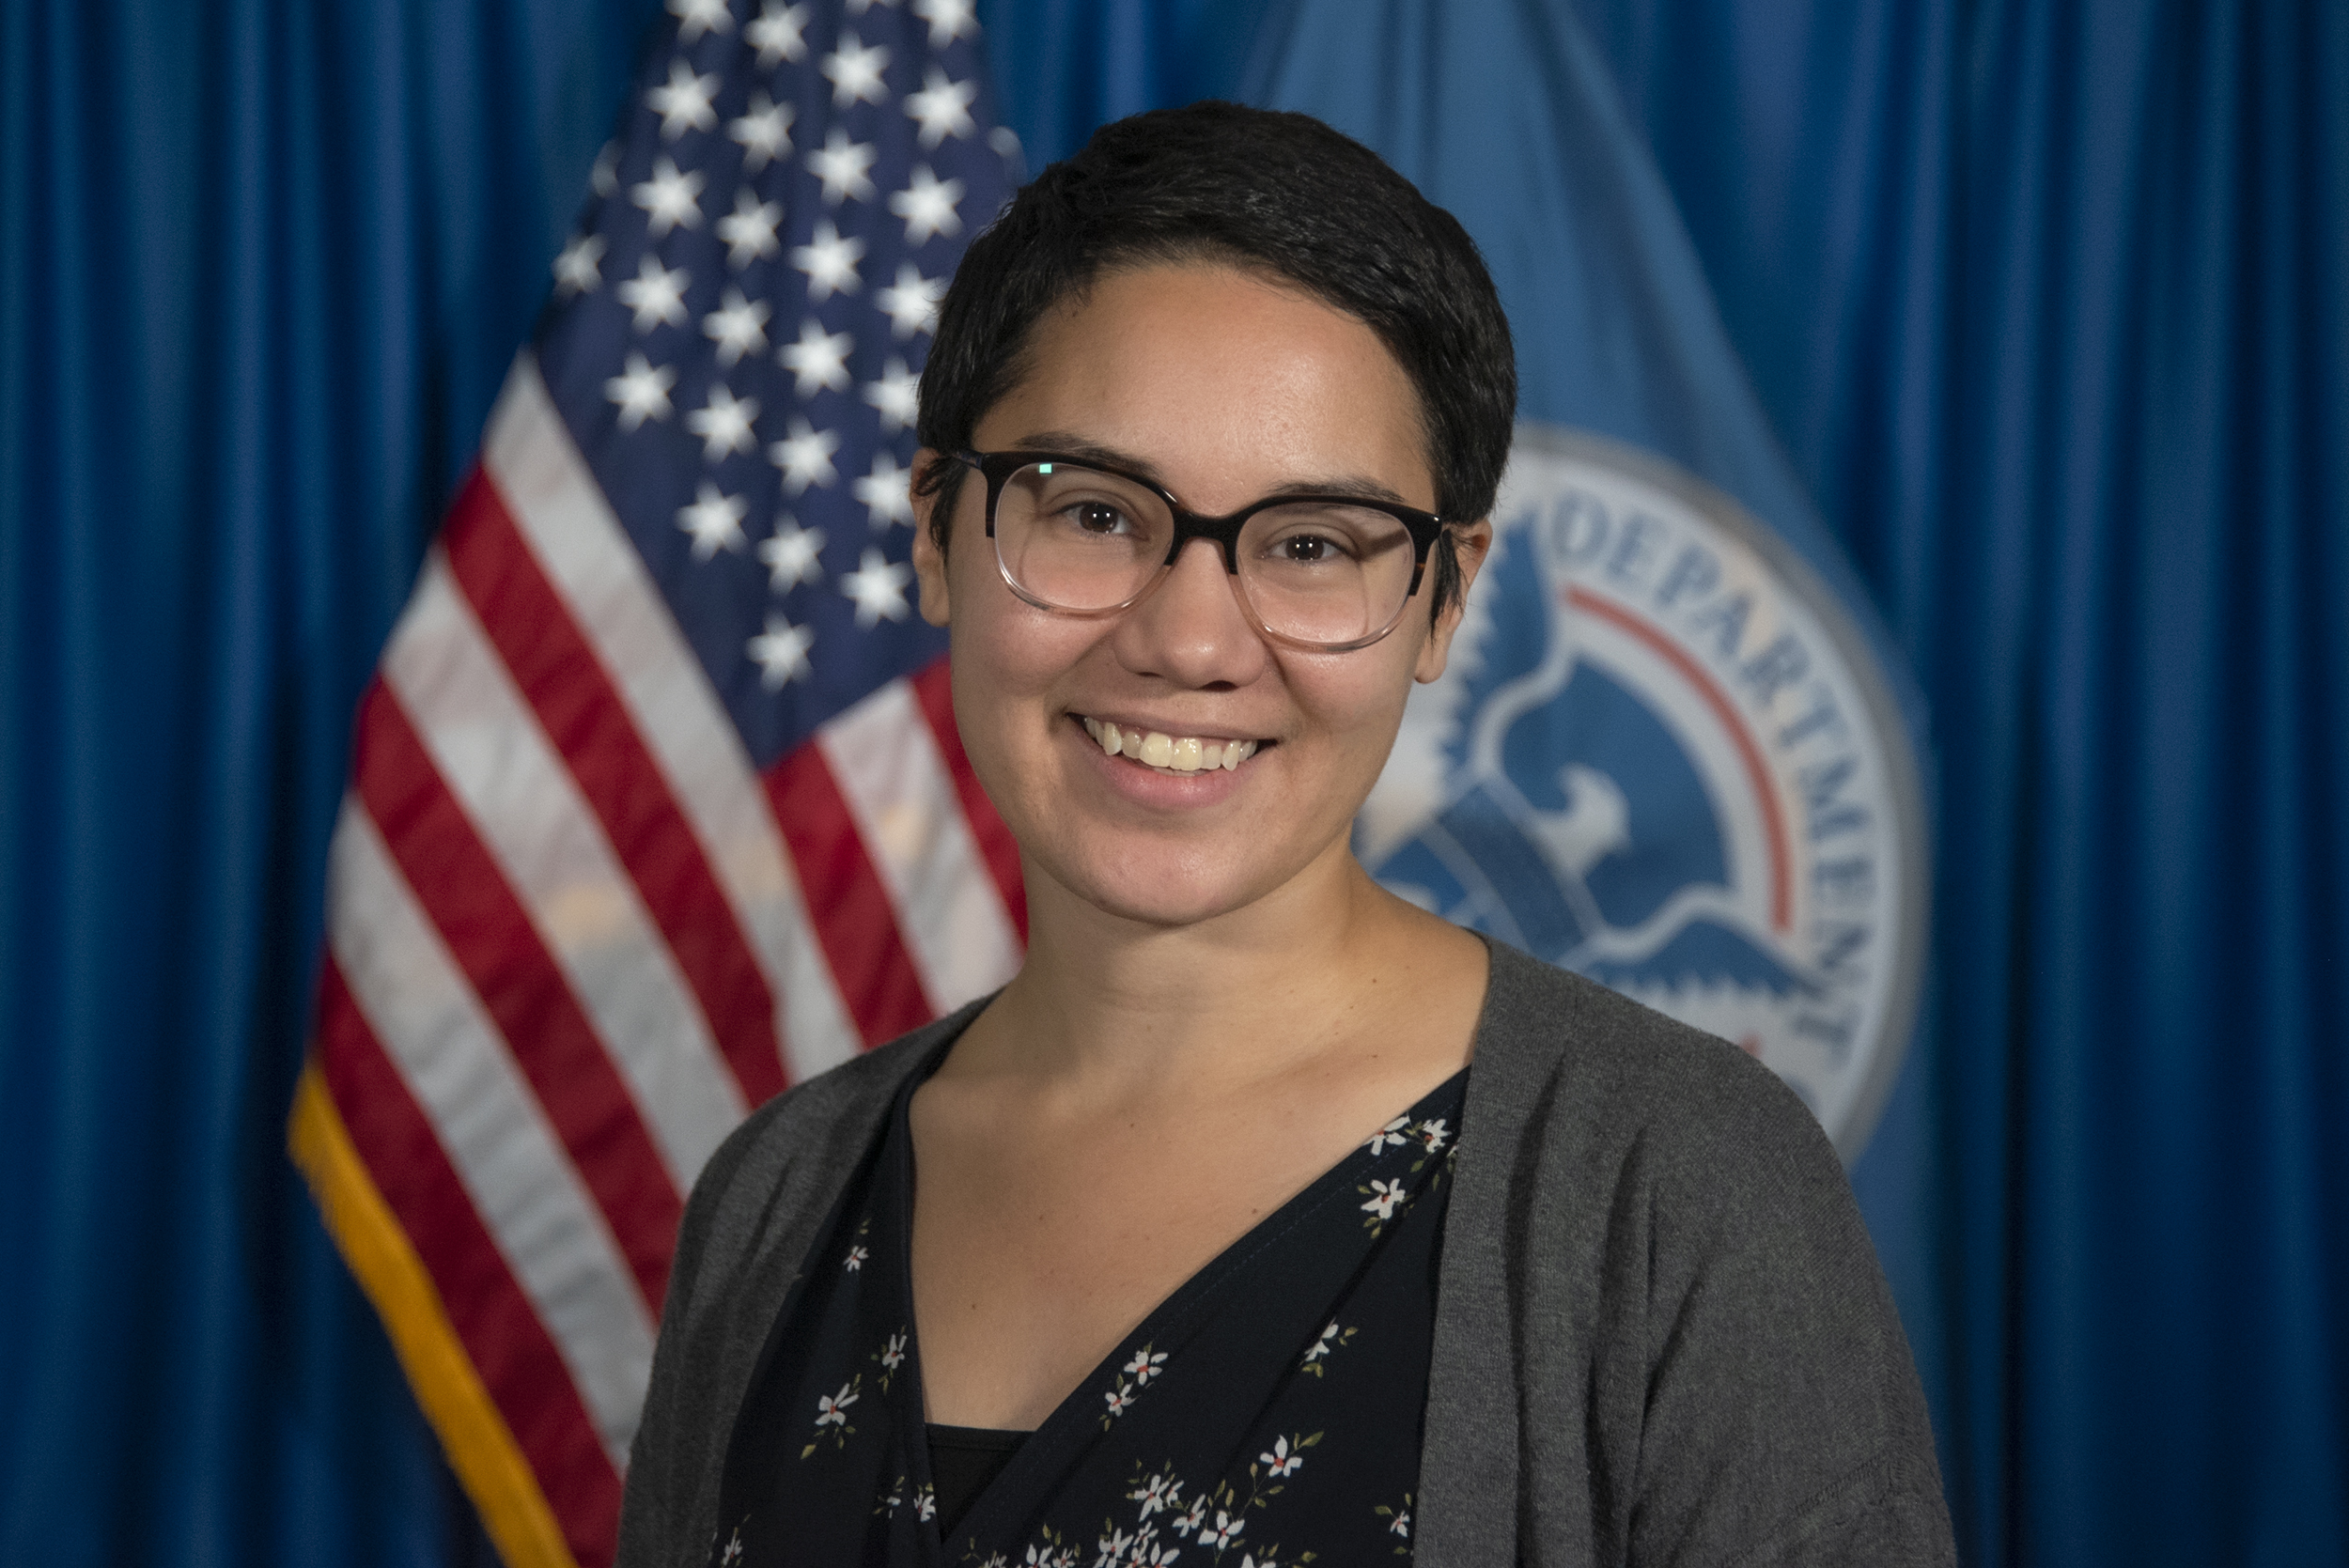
{"type": "Point", "coordinates": [1661, 1336]}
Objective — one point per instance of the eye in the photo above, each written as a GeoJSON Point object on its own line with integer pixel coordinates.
{"type": "Point", "coordinates": [1308, 550]}
{"type": "Point", "coordinates": [1098, 516]}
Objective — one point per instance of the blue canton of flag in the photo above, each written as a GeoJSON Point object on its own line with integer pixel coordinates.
{"type": "Point", "coordinates": [742, 319]}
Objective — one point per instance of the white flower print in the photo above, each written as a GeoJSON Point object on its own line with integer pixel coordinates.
{"type": "Point", "coordinates": [855, 1259]}
{"type": "Point", "coordinates": [1121, 1399]}
{"type": "Point", "coordinates": [833, 1409]}
{"type": "Point", "coordinates": [1391, 1133]}
{"type": "Point", "coordinates": [1113, 1548]}
{"type": "Point", "coordinates": [924, 1503]}
{"type": "Point", "coordinates": [1146, 1366]}
{"type": "Point", "coordinates": [1384, 1196]}
{"type": "Point", "coordinates": [1194, 1518]}
{"type": "Point", "coordinates": [1433, 1134]}
{"type": "Point", "coordinates": [1226, 1527]}
{"type": "Point", "coordinates": [1279, 1461]}
{"type": "Point", "coordinates": [1160, 1491]}
{"type": "Point", "coordinates": [893, 1354]}
{"type": "Point", "coordinates": [1398, 1522]}
{"type": "Point", "coordinates": [734, 1548]}
{"type": "Point", "coordinates": [1332, 1338]}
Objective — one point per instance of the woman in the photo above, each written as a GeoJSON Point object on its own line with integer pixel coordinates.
{"type": "Point", "coordinates": [1264, 1218]}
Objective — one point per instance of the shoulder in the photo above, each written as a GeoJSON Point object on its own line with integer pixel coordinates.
{"type": "Point", "coordinates": [1574, 1064]}
{"type": "Point", "coordinates": [756, 1209]}
{"type": "Point", "coordinates": [810, 1135]}
{"type": "Point", "coordinates": [1626, 1134]}
{"type": "Point", "coordinates": [1678, 1222]}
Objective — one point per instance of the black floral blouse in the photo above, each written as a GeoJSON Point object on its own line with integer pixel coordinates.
{"type": "Point", "coordinates": [1268, 1414]}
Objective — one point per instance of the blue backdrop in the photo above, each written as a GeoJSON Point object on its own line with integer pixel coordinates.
{"type": "Point", "coordinates": [2042, 311]}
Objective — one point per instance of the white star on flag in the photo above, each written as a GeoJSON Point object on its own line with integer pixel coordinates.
{"type": "Point", "coordinates": [844, 166]}
{"type": "Point", "coordinates": [715, 521]}
{"type": "Point", "coordinates": [683, 104]}
{"type": "Point", "coordinates": [780, 652]}
{"type": "Point", "coordinates": [697, 17]}
{"type": "Point", "coordinates": [737, 327]}
{"type": "Point", "coordinates": [942, 108]}
{"type": "Point", "coordinates": [818, 359]}
{"type": "Point", "coordinates": [641, 390]}
{"type": "Point", "coordinates": [764, 129]}
{"type": "Point", "coordinates": [604, 177]}
{"type": "Point", "coordinates": [775, 34]}
{"type": "Point", "coordinates": [723, 424]}
{"type": "Point", "coordinates": [948, 19]}
{"type": "Point", "coordinates": [884, 494]}
{"type": "Point", "coordinates": [805, 457]}
{"type": "Point", "coordinates": [654, 294]}
{"type": "Point", "coordinates": [896, 395]}
{"type": "Point", "coordinates": [749, 231]}
{"type": "Point", "coordinates": [793, 556]}
{"type": "Point", "coordinates": [927, 206]}
{"type": "Point", "coordinates": [855, 72]}
{"type": "Point", "coordinates": [879, 588]}
{"type": "Point", "coordinates": [576, 270]}
{"type": "Point", "coordinates": [830, 262]}
{"type": "Point", "coordinates": [667, 198]}
{"type": "Point", "coordinates": [911, 303]}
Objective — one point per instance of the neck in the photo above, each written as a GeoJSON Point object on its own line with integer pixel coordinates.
{"type": "Point", "coordinates": [1117, 1005]}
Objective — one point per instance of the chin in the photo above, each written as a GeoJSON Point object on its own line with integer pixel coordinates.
{"type": "Point", "coordinates": [1163, 888]}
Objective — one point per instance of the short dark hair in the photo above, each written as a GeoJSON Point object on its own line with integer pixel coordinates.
{"type": "Point", "coordinates": [1262, 190]}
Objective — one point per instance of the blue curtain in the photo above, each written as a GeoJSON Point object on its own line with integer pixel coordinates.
{"type": "Point", "coordinates": [261, 267]}
{"type": "Point", "coordinates": [2046, 305]}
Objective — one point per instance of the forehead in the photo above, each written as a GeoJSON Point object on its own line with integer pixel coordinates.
{"type": "Point", "coordinates": [1218, 377]}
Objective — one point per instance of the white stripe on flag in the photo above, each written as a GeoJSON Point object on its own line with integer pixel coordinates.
{"type": "Point", "coordinates": [948, 909]}
{"type": "Point", "coordinates": [487, 743]}
{"type": "Point", "coordinates": [522, 1183]}
{"type": "Point", "coordinates": [562, 513]}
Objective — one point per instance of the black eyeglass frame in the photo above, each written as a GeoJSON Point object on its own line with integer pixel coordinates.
{"type": "Point", "coordinates": [998, 467]}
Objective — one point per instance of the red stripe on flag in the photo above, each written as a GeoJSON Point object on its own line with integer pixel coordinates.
{"type": "Point", "coordinates": [508, 1344]}
{"type": "Point", "coordinates": [461, 889]}
{"type": "Point", "coordinates": [580, 708]}
{"type": "Point", "coordinates": [934, 688]}
{"type": "Point", "coordinates": [846, 902]}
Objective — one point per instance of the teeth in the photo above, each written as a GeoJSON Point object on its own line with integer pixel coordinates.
{"type": "Point", "coordinates": [1183, 754]}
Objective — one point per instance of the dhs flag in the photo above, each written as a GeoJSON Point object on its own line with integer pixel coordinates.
{"type": "Point", "coordinates": [657, 804]}
{"type": "Point", "coordinates": [1675, 750]}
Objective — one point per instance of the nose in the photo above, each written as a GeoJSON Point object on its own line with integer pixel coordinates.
{"type": "Point", "coordinates": [1189, 630]}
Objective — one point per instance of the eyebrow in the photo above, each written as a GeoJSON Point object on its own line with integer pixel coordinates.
{"type": "Point", "coordinates": [1069, 443]}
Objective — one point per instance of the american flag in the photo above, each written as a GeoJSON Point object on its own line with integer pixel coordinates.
{"type": "Point", "coordinates": [658, 805]}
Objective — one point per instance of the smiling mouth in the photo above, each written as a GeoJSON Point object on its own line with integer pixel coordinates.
{"type": "Point", "coordinates": [1169, 754]}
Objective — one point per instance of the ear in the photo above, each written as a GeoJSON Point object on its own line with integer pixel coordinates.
{"type": "Point", "coordinates": [1471, 544]}
{"type": "Point", "coordinates": [930, 562]}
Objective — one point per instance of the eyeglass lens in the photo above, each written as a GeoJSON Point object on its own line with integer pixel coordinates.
{"type": "Point", "coordinates": [1314, 572]}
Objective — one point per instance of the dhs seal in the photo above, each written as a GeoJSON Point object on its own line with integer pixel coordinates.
{"type": "Point", "coordinates": [1664, 756]}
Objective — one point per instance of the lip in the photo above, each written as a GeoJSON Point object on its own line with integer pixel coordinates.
{"type": "Point", "coordinates": [1148, 786]}
{"type": "Point", "coordinates": [1177, 728]}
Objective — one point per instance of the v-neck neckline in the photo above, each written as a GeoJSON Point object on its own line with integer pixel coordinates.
{"type": "Point", "coordinates": [1060, 1437]}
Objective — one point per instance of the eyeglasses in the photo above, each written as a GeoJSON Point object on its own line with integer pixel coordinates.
{"type": "Point", "coordinates": [1329, 573]}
